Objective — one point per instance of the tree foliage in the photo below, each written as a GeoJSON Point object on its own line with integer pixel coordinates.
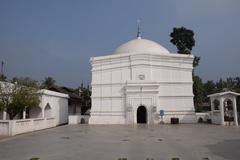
{"type": "Point", "coordinates": [197, 90]}
{"type": "Point", "coordinates": [85, 94]}
{"type": "Point", "coordinates": [25, 81]}
{"type": "Point", "coordinates": [202, 90]}
{"type": "Point", "coordinates": [209, 88]}
{"type": "Point", "coordinates": [48, 82]}
{"type": "Point", "coordinates": [183, 39]}
{"type": "Point", "coordinates": [15, 98]}
{"type": "Point", "coordinates": [3, 77]}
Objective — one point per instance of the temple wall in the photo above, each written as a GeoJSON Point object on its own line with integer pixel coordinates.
{"type": "Point", "coordinates": [120, 85]}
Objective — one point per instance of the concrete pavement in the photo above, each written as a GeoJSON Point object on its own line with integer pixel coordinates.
{"type": "Point", "coordinates": [139, 142]}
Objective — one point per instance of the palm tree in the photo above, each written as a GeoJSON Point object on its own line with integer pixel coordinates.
{"type": "Point", "coordinates": [48, 82]}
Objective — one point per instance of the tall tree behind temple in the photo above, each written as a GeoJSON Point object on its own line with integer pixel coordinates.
{"type": "Point", "coordinates": [198, 91]}
{"type": "Point", "coordinates": [183, 39]}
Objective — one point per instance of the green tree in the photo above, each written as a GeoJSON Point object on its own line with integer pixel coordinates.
{"type": "Point", "coordinates": [208, 88]}
{"type": "Point", "coordinates": [237, 84]}
{"type": "Point", "coordinates": [198, 92]}
{"type": "Point", "coordinates": [183, 39]}
{"type": "Point", "coordinates": [230, 83]}
{"type": "Point", "coordinates": [85, 98]}
{"type": "Point", "coordinates": [3, 77]}
{"type": "Point", "coordinates": [196, 61]}
{"type": "Point", "coordinates": [220, 85]}
{"type": "Point", "coordinates": [15, 98]}
{"type": "Point", "coordinates": [48, 82]}
{"type": "Point", "coordinates": [25, 81]}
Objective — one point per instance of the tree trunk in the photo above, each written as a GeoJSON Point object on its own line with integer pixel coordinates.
{"type": "Point", "coordinates": [11, 116]}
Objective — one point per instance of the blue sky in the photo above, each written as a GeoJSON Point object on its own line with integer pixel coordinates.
{"type": "Point", "coordinates": [57, 37]}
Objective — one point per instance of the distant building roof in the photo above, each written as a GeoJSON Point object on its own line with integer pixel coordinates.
{"type": "Point", "coordinates": [71, 92]}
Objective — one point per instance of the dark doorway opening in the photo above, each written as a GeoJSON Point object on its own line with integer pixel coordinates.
{"type": "Point", "coordinates": [141, 114]}
{"type": "Point", "coordinates": [228, 110]}
{"type": "Point", "coordinates": [82, 121]}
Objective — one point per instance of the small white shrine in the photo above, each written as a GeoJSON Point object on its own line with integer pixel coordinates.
{"type": "Point", "coordinates": [224, 108]}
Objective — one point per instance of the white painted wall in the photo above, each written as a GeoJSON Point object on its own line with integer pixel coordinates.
{"type": "Point", "coordinates": [78, 119]}
{"type": "Point", "coordinates": [48, 111]}
{"type": "Point", "coordinates": [204, 115]}
{"type": "Point", "coordinates": [35, 112]}
{"type": "Point", "coordinates": [14, 127]}
{"type": "Point", "coordinates": [58, 103]}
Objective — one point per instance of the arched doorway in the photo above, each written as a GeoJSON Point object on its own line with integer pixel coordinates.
{"type": "Point", "coordinates": [82, 121]}
{"type": "Point", "coordinates": [141, 114]}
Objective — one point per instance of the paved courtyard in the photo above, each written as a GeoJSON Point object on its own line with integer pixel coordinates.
{"type": "Point", "coordinates": [111, 142]}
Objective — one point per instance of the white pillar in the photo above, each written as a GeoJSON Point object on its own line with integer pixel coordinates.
{"type": "Point", "coordinates": [12, 128]}
{"type": "Point", "coordinates": [212, 108]}
{"type": "Point", "coordinates": [4, 115]}
{"type": "Point", "coordinates": [222, 110]}
{"type": "Point", "coordinates": [43, 114]}
{"type": "Point", "coordinates": [24, 114]}
{"type": "Point", "coordinates": [235, 111]}
{"type": "Point", "coordinates": [134, 116]}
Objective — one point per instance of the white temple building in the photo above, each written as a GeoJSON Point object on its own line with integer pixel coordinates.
{"type": "Point", "coordinates": [139, 79]}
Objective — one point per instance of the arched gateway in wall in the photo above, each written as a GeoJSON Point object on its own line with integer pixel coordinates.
{"type": "Point", "coordinates": [141, 114]}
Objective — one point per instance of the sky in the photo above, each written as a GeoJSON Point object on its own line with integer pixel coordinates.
{"type": "Point", "coordinates": [57, 37]}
